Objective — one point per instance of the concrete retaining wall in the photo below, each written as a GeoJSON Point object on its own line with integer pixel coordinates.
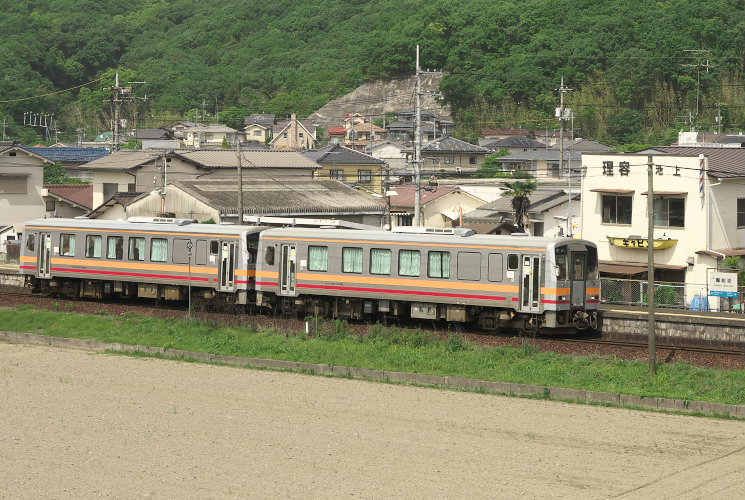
{"type": "Point", "coordinates": [554, 393]}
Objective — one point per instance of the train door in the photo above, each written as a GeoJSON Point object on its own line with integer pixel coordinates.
{"type": "Point", "coordinates": [287, 270]}
{"type": "Point", "coordinates": [530, 283]}
{"type": "Point", "coordinates": [577, 275]}
{"type": "Point", "coordinates": [227, 267]}
{"type": "Point", "coordinates": [44, 255]}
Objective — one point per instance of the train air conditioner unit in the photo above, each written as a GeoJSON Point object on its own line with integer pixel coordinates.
{"type": "Point", "coordinates": [161, 220]}
{"type": "Point", "coordinates": [454, 231]}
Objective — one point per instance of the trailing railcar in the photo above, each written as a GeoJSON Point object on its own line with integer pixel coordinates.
{"type": "Point", "coordinates": [143, 257]}
{"type": "Point", "coordinates": [494, 281]}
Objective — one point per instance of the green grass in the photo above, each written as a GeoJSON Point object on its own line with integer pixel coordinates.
{"type": "Point", "coordinates": [386, 348]}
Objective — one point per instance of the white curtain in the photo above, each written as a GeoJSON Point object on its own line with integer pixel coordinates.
{"type": "Point", "coordinates": [409, 262]}
{"type": "Point", "coordinates": [380, 261]}
{"type": "Point", "coordinates": [137, 249]}
{"type": "Point", "coordinates": [318, 258]}
{"type": "Point", "coordinates": [352, 260]}
{"type": "Point", "coordinates": [93, 246]}
{"type": "Point", "coordinates": [159, 250]}
{"type": "Point", "coordinates": [439, 264]}
{"type": "Point", "coordinates": [114, 247]}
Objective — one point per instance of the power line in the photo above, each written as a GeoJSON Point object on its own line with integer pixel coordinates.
{"type": "Point", "coordinates": [50, 93]}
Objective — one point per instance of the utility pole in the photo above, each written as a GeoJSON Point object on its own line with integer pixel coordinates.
{"type": "Point", "coordinates": [719, 120]}
{"type": "Point", "coordinates": [119, 95]}
{"type": "Point", "coordinates": [418, 140]}
{"type": "Point", "coordinates": [240, 183]}
{"type": "Point", "coordinates": [562, 114]}
{"type": "Point", "coordinates": [650, 266]}
{"type": "Point", "coordinates": [698, 66]}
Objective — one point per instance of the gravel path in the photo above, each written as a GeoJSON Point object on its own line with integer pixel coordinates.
{"type": "Point", "coordinates": [83, 425]}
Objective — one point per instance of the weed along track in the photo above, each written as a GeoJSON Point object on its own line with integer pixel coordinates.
{"type": "Point", "coordinates": [316, 327]}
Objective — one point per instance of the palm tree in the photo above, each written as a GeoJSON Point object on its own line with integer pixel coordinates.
{"type": "Point", "coordinates": [520, 192]}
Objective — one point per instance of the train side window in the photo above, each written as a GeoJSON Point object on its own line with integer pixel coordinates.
{"type": "Point", "coordinates": [158, 250]}
{"type": "Point", "coordinates": [351, 259]}
{"type": "Point", "coordinates": [512, 262]}
{"type": "Point", "coordinates": [469, 266]}
{"type": "Point", "coordinates": [181, 251]}
{"type": "Point", "coordinates": [438, 264]}
{"type": "Point", "coordinates": [115, 247]}
{"type": "Point", "coordinates": [252, 247]}
{"type": "Point", "coordinates": [496, 264]}
{"type": "Point", "coordinates": [93, 243]}
{"type": "Point", "coordinates": [214, 247]}
{"type": "Point", "coordinates": [269, 256]}
{"type": "Point", "coordinates": [561, 264]}
{"type": "Point", "coordinates": [30, 242]}
{"type": "Point", "coordinates": [200, 258]}
{"type": "Point", "coordinates": [380, 261]}
{"type": "Point", "coordinates": [67, 245]}
{"type": "Point", "coordinates": [318, 258]}
{"type": "Point", "coordinates": [137, 249]}
{"type": "Point", "coordinates": [409, 262]}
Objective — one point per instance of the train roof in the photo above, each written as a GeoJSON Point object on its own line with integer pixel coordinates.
{"type": "Point", "coordinates": [171, 227]}
{"type": "Point", "coordinates": [382, 235]}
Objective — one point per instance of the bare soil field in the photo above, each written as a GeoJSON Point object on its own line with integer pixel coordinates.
{"type": "Point", "coordinates": [84, 425]}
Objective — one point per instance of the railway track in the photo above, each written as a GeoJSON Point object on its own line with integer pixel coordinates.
{"type": "Point", "coordinates": [708, 350]}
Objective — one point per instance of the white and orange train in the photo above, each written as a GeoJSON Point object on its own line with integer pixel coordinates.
{"type": "Point", "coordinates": [454, 275]}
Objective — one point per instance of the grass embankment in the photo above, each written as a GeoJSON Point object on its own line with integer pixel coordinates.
{"type": "Point", "coordinates": [393, 349]}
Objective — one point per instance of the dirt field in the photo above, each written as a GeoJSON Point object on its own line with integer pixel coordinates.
{"type": "Point", "coordinates": [78, 424]}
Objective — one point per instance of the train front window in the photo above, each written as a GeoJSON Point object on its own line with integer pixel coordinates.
{"type": "Point", "coordinates": [561, 264]}
{"type": "Point", "coordinates": [578, 266]}
{"type": "Point", "coordinates": [592, 264]}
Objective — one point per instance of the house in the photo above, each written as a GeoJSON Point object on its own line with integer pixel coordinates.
{"type": "Point", "coordinates": [361, 135]}
{"type": "Point", "coordinates": [542, 163]}
{"type": "Point", "coordinates": [21, 184]}
{"type": "Point", "coordinates": [9, 236]}
{"type": "Point", "coordinates": [441, 206]}
{"type": "Point", "coordinates": [156, 138]}
{"type": "Point", "coordinates": [143, 171]}
{"type": "Point", "coordinates": [263, 119]}
{"type": "Point", "coordinates": [431, 126]}
{"type": "Point", "coordinates": [513, 145]}
{"type": "Point", "coordinates": [218, 200]}
{"type": "Point", "coordinates": [494, 134]}
{"type": "Point", "coordinates": [69, 157]}
{"type": "Point", "coordinates": [389, 152]}
{"type": "Point", "coordinates": [447, 154]}
{"type": "Point", "coordinates": [179, 128]}
{"type": "Point", "coordinates": [547, 214]}
{"type": "Point", "coordinates": [115, 208]}
{"type": "Point", "coordinates": [259, 127]}
{"type": "Point", "coordinates": [336, 135]}
{"type": "Point", "coordinates": [67, 200]}
{"type": "Point", "coordinates": [699, 212]}
{"type": "Point", "coordinates": [208, 136]}
{"type": "Point", "coordinates": [350, 166]}
{"type": "Point", "coordinates": [294, 134]}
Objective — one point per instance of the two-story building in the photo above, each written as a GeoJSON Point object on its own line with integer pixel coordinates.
{"type": "Point", "coordinates": [21, 185]}
{"type": "Point", "coordinates": [449, 155]}
{"type": "Point", "coordinates": [699, 211]}
{"type": "Point", "coordinates": [294, 134]}
{"type": "Point", "coordinates": [349, 166]}
{"type": "Point", "coordinates": [441, 206]}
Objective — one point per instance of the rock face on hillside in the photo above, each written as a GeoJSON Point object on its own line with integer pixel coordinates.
{"type": "Point", "coordinates": [379, 97]}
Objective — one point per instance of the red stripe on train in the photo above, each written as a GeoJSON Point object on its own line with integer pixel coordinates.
{"type": "Point", "coordinates": [403, 292]}
{"type": "Point", "coordinates": [138, 275]}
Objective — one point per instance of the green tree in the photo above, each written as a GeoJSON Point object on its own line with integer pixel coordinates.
{"type": "Point", "coordinates": [492, 167]}
{"type": "Point", "coordinates": [520, 192]}
{"type": "Point", "coordinates": [56, 174]}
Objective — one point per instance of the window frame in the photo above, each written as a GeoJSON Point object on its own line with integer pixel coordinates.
{"type": "Point", "coordinates": [517, 261]}
{"type": "Point", "coordinates": [443, 270]}
{"type": "Point", "coordinates": [666, 201]}
{"type": "Point", "coordinates": [130, 248]}
{"type": "Point", "coordinates": [89, 237]}
{"type": "Point", "coordinates": [327, 259]}
{"type": "Point", "coordinates": [419, 268]}
{"type": "Point", "coordinates": [740, 217]}
{"type": "Point", "coordinates": [364, 176]}
{"type": "Point", "coordinates": [120, 238]}
{"type": "Point", "coordinates": [270, 256]}
{"type": "Point", "coordinates": [153, 240]}
{"type": "Point", "coordinates": [71, 244]}
{"type": "Point", "coordinates": [390, 261]}
{"type": "Point", "coordinates": [344, 260]}
{"type": "Point", "coordinates": [616, 219]}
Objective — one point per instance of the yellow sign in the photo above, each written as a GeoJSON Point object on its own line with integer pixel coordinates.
{"type": "Point", "coordinates": [641, 243]}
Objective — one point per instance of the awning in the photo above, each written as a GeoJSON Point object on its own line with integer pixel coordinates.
{"type": "Point", "coordinates": [667, 193]}
{"type": "Point", "coordinates": [629, 268]}
{"type": "Point", "coordinates": [612, 191]}
{"type": "Point", "coordinates": [452, 214]}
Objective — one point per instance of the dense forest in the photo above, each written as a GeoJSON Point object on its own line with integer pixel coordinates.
{"type": "Point", "coordinates": [638, 69]}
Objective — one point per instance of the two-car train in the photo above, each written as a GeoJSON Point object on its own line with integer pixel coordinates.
{"type": "Point", "coordinates": [454, 275]}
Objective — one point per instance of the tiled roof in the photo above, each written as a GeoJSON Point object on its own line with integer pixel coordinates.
{"type": "Point", "coordinates": [514, 142]}
{"type": "Point", "coordinates": [518, 132]}
{"type": "Point", "coordinates": [336, 154]}
{"type": "Point", "coordinates": [537, 198]}
{"type": "Point", "coordinates": [123, 198]}
{"type": "Point", "coordinates": [543, 154]}
{"type": "Point", "coordinates": [731, 139]}
{"type": "Point", "coordinates": [65, 154]}
{"type": "Point", "coordinates": [308, 124]}
{"type": "Point", "coordinates": [153, 133]}
{"type": "Point", "coordinates": [286, 196]}
{"type": "Point", "coordinates": [406, 194]}
{"type": "Point", "coordinates": [489, 227]}
{"type": "Point", "coordinates": [368, 127]}
{"type": "Point", "coordinates": [78, 194]}
{"type": "Point", "coordinates": [123, 160]}
{"type": "Point", "coordinates": [264, 119]}
{"type": "Point", "coordinates": [723, 162]}
{"type": "Point", "coordinates": [449, 144]}
{"type": "Point", "coordinates": [336, 130]}
{"type": "Point", "coordinates": [253, 158]}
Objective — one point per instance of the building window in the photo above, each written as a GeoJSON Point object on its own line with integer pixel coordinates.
{"type": "Point", "coordinates": [616, 209]}
{"type": "Point", "coordinates": [472, 160]}
{"type": "Point", "coordinates": [93, 245]}
{"type": "Point", "coordinates": [50, 205]}
{"type": "Point", "coordinates": [380, 261]}
{"type": "Point", "coordinates": [284, 135]}
{"type": "Point", "coordinates": [158, 250]}
{"type": "Point", "coordinates": [137, 249]}
{"type": "Point", "coordinates": [131, 187]}
{"type": "Point", "coordinates": [115, 247]}
{"type": "Point", "coordinates": [351, 260]}
{"type": "Point", "coordinates": [13, 184]}
{"type": "Point", "coordinates": [741, 212]}
{"type": "Point", "coordinates": [318, 258]}
{"type": "Point", "coordinates": [109, 190]}
{"type": "Point", "coordinates": [449, 160]}
{"type": "Point", "coordinates": [67, 245]}
{"type": "Point", "coordinates": [300, 134]}
{"type": "Point", "coordinates": [337, 174]}
{"type": "Point", "coordinates": [409, 262]}
{"type": "Point", "coordinates": [669, 212]}
{"type": "Point", "coordinates": [438, 264]}
{"type": "Point", "coordinates": [364, 176]}
{"type": "Point", "coordinates": [405, 220]}
{"type": "Point", "coordinates": [257, 133]}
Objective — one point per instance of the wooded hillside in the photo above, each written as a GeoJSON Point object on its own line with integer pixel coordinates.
{"type": "Point", "coordinates": [629, 63]}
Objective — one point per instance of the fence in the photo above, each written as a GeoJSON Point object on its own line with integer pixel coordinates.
{"type": "Point", "coordinates": [668, 295]}
{"type": "Point", "coordinates": [10, 252]}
